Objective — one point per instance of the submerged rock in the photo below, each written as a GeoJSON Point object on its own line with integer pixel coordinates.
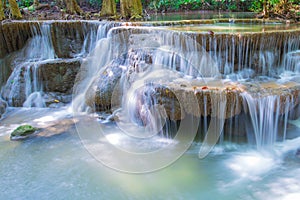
{"type": "Point", "coordinates": [23, 132]}
{"type": "Point", "coordinates": [298, 153]}
{"type": "Point", "coordinates": [56, 99]}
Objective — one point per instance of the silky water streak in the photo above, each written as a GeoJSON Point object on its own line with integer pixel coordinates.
{"type": "Point", "coordinates": [135, 147]}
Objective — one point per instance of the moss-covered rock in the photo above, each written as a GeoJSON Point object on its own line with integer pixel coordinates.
{"type": "Point", "coordinates": [22, 132]}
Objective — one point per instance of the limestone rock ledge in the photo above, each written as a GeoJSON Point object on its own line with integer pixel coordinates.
{"type": "Point", "coordinates": [177, 98]}
{"type": "Point", "coordinates": [55, 78]}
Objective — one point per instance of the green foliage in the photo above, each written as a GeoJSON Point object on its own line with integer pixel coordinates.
{"type": "Point", "coordinates": [257, 6]}
{"type": "Point", "coordinates": [277, 6]}
{"type": "Point", "coordinates": [95, 3]}
{"type": "Point", "coordinates": [171, 5]}
{"type": "Point", "coordinates": [184, 5]}
{"type": "Point", "coordinates": [25, 3]}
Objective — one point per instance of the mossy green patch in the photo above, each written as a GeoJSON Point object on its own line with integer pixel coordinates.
{"type": "Point", "coordinates": [22, 132]}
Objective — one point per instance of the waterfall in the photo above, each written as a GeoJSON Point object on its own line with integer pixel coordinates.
{"type": "Point", "coordinates": [33, 87]}
{"type": "Point", "coordinates": [23, 83]}
{"type": "Point", "coordinates": [292, 61]}
{"type": "Point", "coordinates": [107, 47]}
{"type": "Point", "coordinates": [149, 60]}
{"type": "Point", "coordinates": [140, 74]}
{"type": "Point", "coordinates": [266, 114]}
{"type": "Point", "coordinates": [265, 53]}
{"type": "Point", "coordinates": [92, 36]}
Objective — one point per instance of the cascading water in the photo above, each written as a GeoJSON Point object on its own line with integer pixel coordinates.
{"type": "Point", "coordinates": [265, 115]}
{"type": "Point", "coordinates": [292, 61]}
{"type": "Point", "coordinates": [33, 88]}
{"type": "Point", "coordinates": [26, 84]}
{"type": "Point", "coordinates": [142, 51]}
{"type": "Point", "coordinates": [146, 49]}
{"type": "Point", "coordinates": [155, 81]}
{"type": "Point", "coordinates": [23, 82]}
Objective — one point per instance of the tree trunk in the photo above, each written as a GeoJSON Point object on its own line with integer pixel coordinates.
{"type": "Point", "coordinates": [237, 5]}
{"type": "Point", "coordinates": [73, 7]}
{"type": "Point", "coordinates": [14, 8]}
{"type": "Point", "coordinates": [2, 16]}
{"type": "Point", "coordinates": [131, 9]}
{"type": "Point", "coordinates": [285, 6]}
{"type": "Point", "coordinates": [108, 8]}
{"type": "Point", "coordinates": [36, 3]}
{"type": "Point", "coordinates": [265, 9]}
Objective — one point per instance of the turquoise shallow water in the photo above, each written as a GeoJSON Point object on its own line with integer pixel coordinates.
{"type": "Point", "coordinates": [59, 167]}
{"type": "Point", "coordinates": [56, 165]}
{"type": "Point", "coordinates": [199, 15]}
{"type": "Point", "coordinates": [237, 27]}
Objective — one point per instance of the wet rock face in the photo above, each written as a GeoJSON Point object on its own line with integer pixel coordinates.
{"type": "Point", "coordinates": [99, 94]}
{"type": "Point", "coordinates": [14, 92]}
{"type": "Point", "coordinates": [3, 106]}
{"type": "Point", "coordinates": [225, 102]}
{"type": "Point", "coordinates": [59, 75]}
{"type": "Point", "coordinates": [200, 101]}
{"type": "Point", "coordinates": [209, 98]}
{"type": "Point", "coordinates": [67, 39]}
{"type": "Point", "coordinates": [13, 36]}
{"type": "Point", "coordinates": [53, 77]}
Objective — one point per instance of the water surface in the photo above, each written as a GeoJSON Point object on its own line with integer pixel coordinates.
{"type": "Point", "coordinates": [199, 15]}
{"type": "Point", "coordinates": [58, 167]}
{"type": "Point", "coordinates": [237, 27]}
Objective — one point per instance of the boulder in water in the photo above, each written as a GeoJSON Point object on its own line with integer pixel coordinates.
{"type": "Point", "coordinates": [22, 132]}
{"type": "Point", "coordinates": [99, 94]}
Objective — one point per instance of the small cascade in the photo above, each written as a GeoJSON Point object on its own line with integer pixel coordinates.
{"type": "Point", "coordinates": [33, 88]}
{"type": "Point", "coordinates": [24, 80]}
{"type": "Point", "coordinates": [292, 61]}
{"type": "Point", "coordinates": [40, 47]}
{"type": "Point", "coordinates": [152, 58]}
{"type": "Point", "coordinates": [93, 35]}
{"type": "Point", "coordinates": [142, 69]}
{"type": "Point", "coordinates": [265, 53]}
{"type": "Point", "coordinates": [24, 86]}
{"type": "Point", "coordinates": [264, 114]}
{"type": "Point", "coordinates": [93, 64]}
